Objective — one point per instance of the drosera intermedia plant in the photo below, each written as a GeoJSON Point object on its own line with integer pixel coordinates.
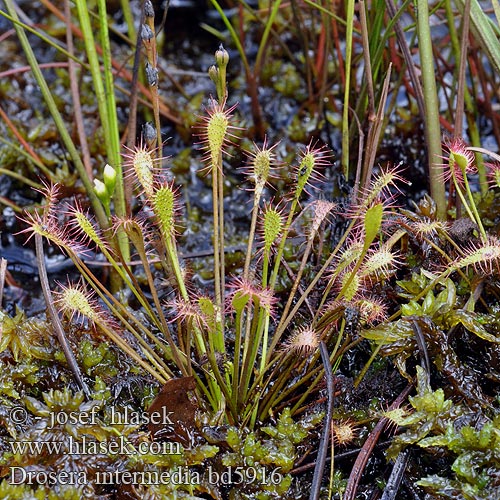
{"type": "Point", "coordinates": [275, 338]}
{"type": "Point", "coordinates": [237, 340]}
{"type": "Point", "coordinates": [252, 352]}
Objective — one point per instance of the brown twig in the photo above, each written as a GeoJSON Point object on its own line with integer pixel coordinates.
{"type": "Point", "coordinates": [75, 95]}
{"type": "Point", "coordinates": [412, 70]}
{"type": "Point", "coordinates": [54, 317]}
{"type": "Point", "coordinates": [3, 273]}
{"type": "Point", "coordinates": [132, 117]}
{"type": "Point", "coordinates": [459, 107]}
{"type": "Point", "coordinates": [338, 457]}
{"type": "Point", "coordinates": [19, 137]}
{"type": "Point", "coordinates": [323, 444]}
{"type": "Point", "coordinates": [164, 109]}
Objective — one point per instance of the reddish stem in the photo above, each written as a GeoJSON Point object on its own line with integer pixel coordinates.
{"type": "Point", "coordinates": [366, 450]}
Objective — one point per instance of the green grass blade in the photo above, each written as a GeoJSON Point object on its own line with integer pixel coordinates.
{"type": "Point", "coordinates": [431, 103]}
{"type": "Point", "coordinates": [483, 31]}
{"type": "Point", "coordinates": [56, 116]}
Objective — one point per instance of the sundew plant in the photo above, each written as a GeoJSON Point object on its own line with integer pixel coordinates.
{"type": "Point", "coordinates": [248, 346]}
{"type": "Point", "coordinates": [322, 285]}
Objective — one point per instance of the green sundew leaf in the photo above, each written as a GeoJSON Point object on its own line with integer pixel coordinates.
{"type": "Point", "coordinates": [261, 165]}
{"type": "Point", "coordinates": [163, 201]}
{"type": "Point", "coordinates": [273, 226]}
{"type": "Point", "coordinates": [207, 308]}
{"type": "Point", "coordinates": [88, 229]}
{"type": "Point", "coordinates": [240, 300]}
{"type": "Point", "coordinates": [470, 321]}
{"type": "Point", "coordinates": [218, 123]}
{"type": "Point", "coordinates": [484, 33]}
{"type": "Point", "coordinates": [373, 220]}
{"type": "Point", "coordinates": [306, 168]}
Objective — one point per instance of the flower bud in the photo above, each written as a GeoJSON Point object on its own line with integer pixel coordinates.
{"type": "Point", "coordinates": [146, 33]}
{"type": "Point", "coordinates": [221, 57]}
{"type": "Point", "coordinates": [151, 75]}
{"type": "Point", "coordinates": [213, 73]}
{"type": "Point", "coordinates": [101, 192]}
{"type": "Point", "coordinates": [149, 135]}
{"type": "Point", "coordinates": [109, 176]}
{"type": "Point", "coordinates": [148, 9]}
